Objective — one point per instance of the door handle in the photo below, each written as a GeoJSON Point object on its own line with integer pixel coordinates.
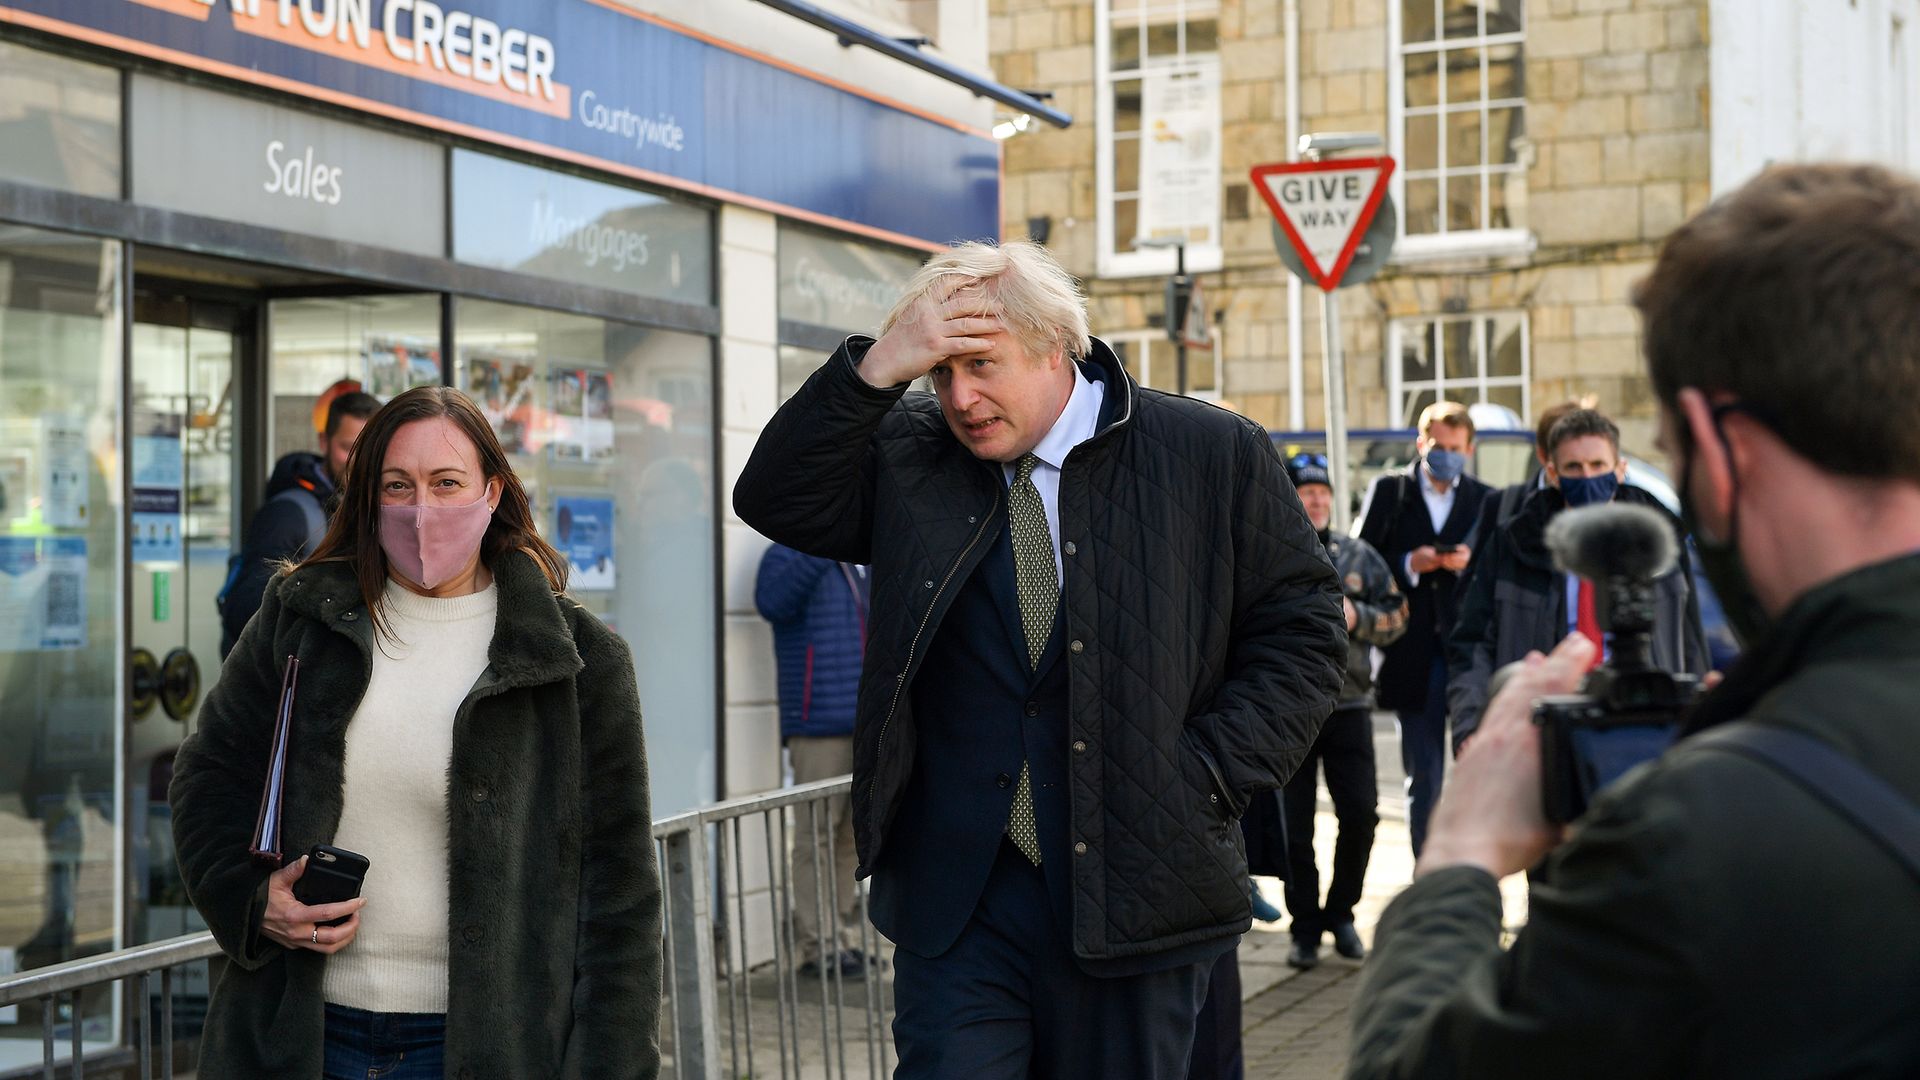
{"type": "Point", "coordinates": [143, 680]}
{"type": "Point", "coordinates": [179, 684]}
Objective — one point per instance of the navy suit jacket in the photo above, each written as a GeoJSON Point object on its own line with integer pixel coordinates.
{"type": "Point", "coordinates": [1397, 522]}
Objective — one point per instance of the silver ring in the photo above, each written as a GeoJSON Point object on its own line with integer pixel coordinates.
{"type": "Point", "coordinates": [316, 933]}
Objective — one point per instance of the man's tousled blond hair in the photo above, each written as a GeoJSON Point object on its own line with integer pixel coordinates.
{"type": "Point", "coordinates": [1021, 283]}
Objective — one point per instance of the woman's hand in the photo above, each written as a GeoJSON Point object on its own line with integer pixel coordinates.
{"type": "Point", "coordinates": [297, 926]}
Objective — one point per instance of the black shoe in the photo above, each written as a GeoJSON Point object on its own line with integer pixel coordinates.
{"type": "Point", "coordinates": [1305, 955]}
{"type": "Point", "coordinates": [1346, 942]}
{"type": "Point", "coordinates": [874, 964]}
{"type": "Point", "coordinates": [849, 966]}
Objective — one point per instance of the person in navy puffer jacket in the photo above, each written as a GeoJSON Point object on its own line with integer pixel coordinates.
{"type": "Point", "coordinates": [818, 609]}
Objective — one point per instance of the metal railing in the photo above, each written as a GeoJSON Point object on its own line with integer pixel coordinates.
{"type": "Point", "coordinates": [711, 853]}
{"type": "Point", "coordinates": [733, 996]}
{"type": "Point", "coordinates": [46, 986]}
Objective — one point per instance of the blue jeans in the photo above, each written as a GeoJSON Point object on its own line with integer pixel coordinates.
{"type": "Point", "coordinates": [365, 1045]}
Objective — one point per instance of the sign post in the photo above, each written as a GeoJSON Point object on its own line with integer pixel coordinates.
{"type": "Point", "coordinates": [1324, 208]}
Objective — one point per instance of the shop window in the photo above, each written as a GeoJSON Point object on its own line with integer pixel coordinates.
{"type": "Point", "coordinates": [1464, 358]}
{"type": "Point", "coordinates": [1158, 135]}
{"type": "Point", "coordinates": [610, 427]}
{"type": "Point", "coordinates": [62, 727]}
{"type": "Point", "coordinates": [1458, 97]}
{"type": "Point", "coordinates": [59, 122]}
{"type": "Point", "coordinates": [386, 343]}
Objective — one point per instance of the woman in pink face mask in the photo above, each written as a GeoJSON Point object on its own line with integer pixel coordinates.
{"type": "Point", "coordinates": [475, 734]}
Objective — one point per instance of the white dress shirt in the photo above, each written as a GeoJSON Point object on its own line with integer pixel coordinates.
{"type": "Point", "coordinates": [1439, 509]}
{"type": "Point", "coordinates": [1077, 423]}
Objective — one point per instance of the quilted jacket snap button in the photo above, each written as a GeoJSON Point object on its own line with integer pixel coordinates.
{"type": "Point", "coordinates": [1002, 780]}
{"type": "Point", "coordinates": [1080, 848]}
{"type": "Point", "coordinates": [1079, 746]}
{"type": "Point", "coordinates": [929, 583]}
{"type": "Point", "coordinates": [352, 615]}
{"type": "Point", "coordinates": [1077, 647]}
{"type": "Point", "coordinates": [1069, 548]}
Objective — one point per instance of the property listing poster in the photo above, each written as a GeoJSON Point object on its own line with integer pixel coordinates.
{"type": "Point", "coordinates": [394, 365]}
{"type": "Point", "coordinates": [583, 531]}
{"type": "Point", "coordinates": [506, 387]}
{"type": "Point", "coordinates": [582, 414]}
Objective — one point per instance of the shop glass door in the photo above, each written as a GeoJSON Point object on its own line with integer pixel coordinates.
{"type": "Point", "coordinates": [60, 622]}
{"type": "Point", "coordinates": [189, 359]}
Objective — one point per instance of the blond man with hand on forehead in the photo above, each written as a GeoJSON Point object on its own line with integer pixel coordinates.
{"type": "Point", "coordinates": [1100, 625]}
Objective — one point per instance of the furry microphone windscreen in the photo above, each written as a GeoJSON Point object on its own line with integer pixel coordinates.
{"type": "Point", "coordinates": [1613, 540]}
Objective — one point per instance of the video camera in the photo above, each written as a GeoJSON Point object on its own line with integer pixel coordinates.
{"type": "Point", "coordinates": [1628, 710]}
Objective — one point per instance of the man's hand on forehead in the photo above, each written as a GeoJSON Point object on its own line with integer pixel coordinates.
{"type": "Point", "coordinates": [954, 319]}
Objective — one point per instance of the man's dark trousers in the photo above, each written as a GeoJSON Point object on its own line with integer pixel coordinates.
{"type": "Point", "coordinates": [986, 983]}
{"type": "Point", "coordinates": [1345, 749]}
{"type": "Point", "coordinates": [1423, 751]}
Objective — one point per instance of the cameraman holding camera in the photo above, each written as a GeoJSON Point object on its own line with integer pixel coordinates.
{"type": "Point", "coordinates": [1728, 910]}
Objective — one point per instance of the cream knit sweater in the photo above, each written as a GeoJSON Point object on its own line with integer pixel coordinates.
{"type": "Point", "coordinates": [399, 746]}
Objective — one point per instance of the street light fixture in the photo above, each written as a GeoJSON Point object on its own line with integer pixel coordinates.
{"type": "Point", "coordinates": [1314, 144]}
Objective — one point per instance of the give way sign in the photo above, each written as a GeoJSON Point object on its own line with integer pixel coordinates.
{"type": "Point", "coordinates": [1324, 207]}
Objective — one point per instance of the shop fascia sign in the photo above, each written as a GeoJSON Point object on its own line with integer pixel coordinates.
{"type": "Point", "coordinates": [598, 85]}
{"type": "Point", "coordinates": [452, 41]}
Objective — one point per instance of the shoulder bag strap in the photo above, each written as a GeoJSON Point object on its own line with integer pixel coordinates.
{"type": "Point", "coordinates": [1849, 788]}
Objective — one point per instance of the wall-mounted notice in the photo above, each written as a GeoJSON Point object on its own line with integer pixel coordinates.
{"type": "Point", "coordinates": [63, 453]}
{"type": "Point", "coordinates": [43, 602]}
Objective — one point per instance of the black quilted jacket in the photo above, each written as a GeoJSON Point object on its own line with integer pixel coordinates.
{"type": "Point", "coordinates": [1203, 622]}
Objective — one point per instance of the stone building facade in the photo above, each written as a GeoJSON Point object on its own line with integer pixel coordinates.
{"type": "Point", "coordinates": [1545, 148]}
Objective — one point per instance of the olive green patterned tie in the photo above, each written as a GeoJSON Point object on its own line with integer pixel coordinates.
{"type": "Point", "coordinates": [1036, 579]}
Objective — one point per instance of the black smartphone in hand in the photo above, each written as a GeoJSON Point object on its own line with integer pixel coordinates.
{"type": "Point", "coordinates": [1445, 549]}
{"type": "Point", "coordinates": [333, 874]}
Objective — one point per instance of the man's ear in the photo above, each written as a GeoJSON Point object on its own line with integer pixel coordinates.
{"type": "Point", "coordinates": [1713, 499]}
{"type": "Point", "coordinates": [1553, 474]}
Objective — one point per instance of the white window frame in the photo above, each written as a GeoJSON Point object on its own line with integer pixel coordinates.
{"type": "Point", "coordinates": [1145, 339]}
{"type": "Point", "coordinates": [1483, 242]}
{"type": "Point", "coordinates": [1399, 389]}
{"type": "Point", "coordinates": [1110, 262]}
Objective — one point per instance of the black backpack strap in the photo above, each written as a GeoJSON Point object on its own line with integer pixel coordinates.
{"type": "Point", "coordinates": [1849, 788]}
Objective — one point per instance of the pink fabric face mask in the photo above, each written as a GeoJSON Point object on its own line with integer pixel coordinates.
{"type": "Point", "coordinates": [429, 544]}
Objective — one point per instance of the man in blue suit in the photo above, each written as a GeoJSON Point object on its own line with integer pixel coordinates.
{"type": "Point", "coordinates": [1420, 520]}
{"type": "Point", "coordinates": [818, 609]}
{"type": "Point", "coordinates": [1101, 626]}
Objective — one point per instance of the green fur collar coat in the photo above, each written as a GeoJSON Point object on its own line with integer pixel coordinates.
{"type": "Point", "coordinates": [554, 924]}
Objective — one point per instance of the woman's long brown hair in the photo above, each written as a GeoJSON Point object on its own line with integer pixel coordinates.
{"type": "Point", "coordinates": [353, 535]}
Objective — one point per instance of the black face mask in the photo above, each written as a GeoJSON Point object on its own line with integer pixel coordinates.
{"type": "Point", "coordinates": [1720, 559]}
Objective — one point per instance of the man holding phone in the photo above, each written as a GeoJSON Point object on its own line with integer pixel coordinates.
{"type": "Point", "coordinates": [1419, 520]}
{"type": "Point", "coordinates": [1717, 913]}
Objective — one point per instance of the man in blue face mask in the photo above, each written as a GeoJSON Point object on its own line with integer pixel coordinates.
{"type": "Point", "coordinates": [1420, 521]}
{"type": "Point", "coordinates": [1517, 602]}
{"type": "Point", "coordinates": [1742, 906]}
